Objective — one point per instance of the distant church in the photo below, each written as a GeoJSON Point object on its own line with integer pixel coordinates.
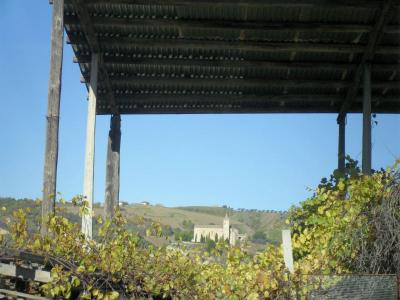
{"type": "Point", "coordinates": [217, 233]}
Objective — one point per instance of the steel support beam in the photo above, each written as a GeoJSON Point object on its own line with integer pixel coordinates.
{"type": "Point", "coordinates": [90, 148]}
{"type": "Point", "coordinates": [366, 137]}
{"type": "Point", "coordinates": [142, 46]}
{"type": "Point", "coordinates": [249, 3]}
{"type": "Point", "coordinates": [207, 66]}
{"type": "Point", "coordinates": [53, 113]}
{"type": "Point", "coordinates": [113, 167]}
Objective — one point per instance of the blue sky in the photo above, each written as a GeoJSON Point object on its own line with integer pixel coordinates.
{"type": "Point", "coordinates": [253, 161]}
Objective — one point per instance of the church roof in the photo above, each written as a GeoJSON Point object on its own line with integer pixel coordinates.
{"type": "Point", "coordinates": [208, 226]}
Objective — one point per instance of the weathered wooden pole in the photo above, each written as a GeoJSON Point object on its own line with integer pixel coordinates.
{"type": "Point", "coordinates": [366, 140]}
{"type": "Point", "coordinates": [113, 167]}
{"type": "Point", "coordinates": [342, 144]}
{"type": "Point", "coordinates": [53, 113]}
{"type": "Point", "coordinates": [89, 152]}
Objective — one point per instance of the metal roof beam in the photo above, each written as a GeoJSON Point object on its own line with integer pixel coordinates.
{"type": "Point", "coordinates": [370, 49]}
{"type": "Point", "coordinates": [215, 66]}
{"type": "Point", "coordinates": [175, 104]}
{"type": "Point", "coordinates": [249, 3]}
{"type": "Point", "coordinates": [235, 84]}
{"type": "Point", "coordinates": [183, 25]}
{"type": "Point", "coordinates": [126, 44]}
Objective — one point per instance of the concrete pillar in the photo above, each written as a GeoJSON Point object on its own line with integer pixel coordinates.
{"type": "Point", "coordinates": [342, 144]}
{"type": "Point", "coordinates": [113, 167]}
{"type": "Point", "coordinates": [53, 112]}
{"type": "Point", "coordinates": [287, 250]}
{"type": "Point", "coordinates": [89, 152]}
{"type": "Point", "coordinates": [366, 138]}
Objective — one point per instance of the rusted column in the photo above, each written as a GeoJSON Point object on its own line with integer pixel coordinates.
{"type": "Point", "coordinates": [113, 167]}
{"type": "Point", "coordinates": [53, 112]}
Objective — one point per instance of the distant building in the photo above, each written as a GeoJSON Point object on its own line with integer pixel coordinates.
{"type": "Point", "coordinates": [216, 233]}
{"type": "Point", "coordinates": [144, 203]}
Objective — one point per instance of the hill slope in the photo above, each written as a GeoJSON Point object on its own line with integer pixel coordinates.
{"type": "Point", "coordinates": [177, 222]}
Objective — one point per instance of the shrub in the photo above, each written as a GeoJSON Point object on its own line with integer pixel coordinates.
{"type": "Point", "coordinates": [118, 264]}
{"type": "Point", "coordinates": [351, 224]}
{"type": "Point", "coordinates": [259, 237]}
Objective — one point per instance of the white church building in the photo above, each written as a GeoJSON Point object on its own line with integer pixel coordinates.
{"type": "Point", "coordinates": [217, 233]}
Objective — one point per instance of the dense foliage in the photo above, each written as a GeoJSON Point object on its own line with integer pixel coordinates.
{"type": "Point", "coordinates": [117, 264]}
{"type": "Point", "coordinates": [351, 223]}
{"type": "Point", "coordinates": [177, 223]}
{"type": "Point", "coordinates": [259, 237]}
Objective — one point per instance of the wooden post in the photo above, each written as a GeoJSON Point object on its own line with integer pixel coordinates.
{"type": "Point", "coordinates": [113, 167]}
{"type": "Point", "coordinates": [366, 144]}
{"type": "Point", "coordinates": [89, 153]}
{"type": "Point", "coordinates": [287, 250]}
{"type": "Point", "coordinates": [342, 144]}
{"type": "Point", "coordinates": [53, 113]}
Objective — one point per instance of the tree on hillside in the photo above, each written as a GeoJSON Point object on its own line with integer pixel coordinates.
{"type": "Point", "coordinates": [210, 245]}
{"type": "Point", "coordinates": [259, 237]}
{"type": "Point", "coordinates": [183, 235]}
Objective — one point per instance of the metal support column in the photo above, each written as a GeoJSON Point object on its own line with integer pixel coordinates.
{"type": "Point", "coordinates": [53, 113]}
{"type": "Point", "coordinates": [113, 167]}
{"type": "Point", "coordinates": [90, 147]}
{"type": "Point", "coordinates": [342, 144]}
{"type": "Point", "coordinates": [366, 139]}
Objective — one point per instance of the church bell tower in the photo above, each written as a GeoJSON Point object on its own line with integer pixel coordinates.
{"type": "Point", "coordinates": [226, 228]}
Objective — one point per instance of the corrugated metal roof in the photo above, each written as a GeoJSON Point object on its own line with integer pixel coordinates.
{"type": "Point", "coordinates": [230, 56]}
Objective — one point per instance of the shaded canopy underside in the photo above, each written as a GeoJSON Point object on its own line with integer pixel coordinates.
{"type": "Point", "coordinates": [195, 56]}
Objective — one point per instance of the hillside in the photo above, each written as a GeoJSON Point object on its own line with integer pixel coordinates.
{"type": "Point", "coordinates": [177, 222]}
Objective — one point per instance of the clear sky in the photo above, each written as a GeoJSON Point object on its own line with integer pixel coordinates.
{"type": "Point", "coordinates": [253, 161]}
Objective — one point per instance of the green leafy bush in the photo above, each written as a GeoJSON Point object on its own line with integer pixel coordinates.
{"type": "Point", "coordinates": [118, 264]}
{"type": "Point", "coordinates": [351, 224]}
{"type": "Point", "coordinates": [332, 233]}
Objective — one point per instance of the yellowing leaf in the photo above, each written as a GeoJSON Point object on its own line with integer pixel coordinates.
{"type": "Point", "coordinates": [80, 269]}
{"type": "Point", "coordinates": [341, 185]}
{"type": "Point", "coordinates": [113, 295]}
{"type": "Point", "coordinates": [252, 296]}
